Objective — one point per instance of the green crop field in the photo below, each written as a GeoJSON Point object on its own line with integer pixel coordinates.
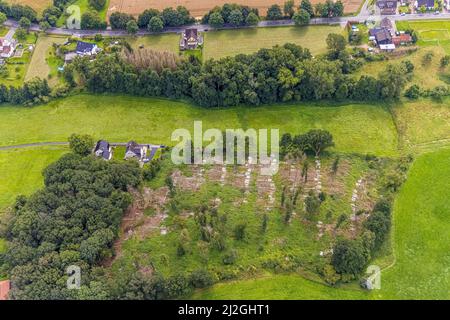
{"type": "Point", "coordinates": [231, 42]}
{"type": "Point", "coordinates": [356, 128]}
{"type": "Point", "coordinates": [421, 237]}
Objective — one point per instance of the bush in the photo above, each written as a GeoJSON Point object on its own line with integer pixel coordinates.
{"type": "Point", "coordinates": [230, 257]}
{"type": "Point", "coordinates": [81, 144]}
{"type": "Point", "coordinates": [201, 278]}
{"type": "Point", "coordinates": [379, 223]}
{"type": "Point", "coordinates": [349, 257]}
{"type": "Point", "coordinates": [413, 92]}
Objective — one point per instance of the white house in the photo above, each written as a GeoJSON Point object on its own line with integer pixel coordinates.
{"type": "Point", "coordinates": [7, 48]}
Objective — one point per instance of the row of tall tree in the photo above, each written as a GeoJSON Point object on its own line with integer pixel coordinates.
{"type": "Point", "coordinates": [281, 74]}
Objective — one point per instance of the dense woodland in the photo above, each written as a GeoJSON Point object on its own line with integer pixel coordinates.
{"type": "Point", "coordinates": [281, 74]}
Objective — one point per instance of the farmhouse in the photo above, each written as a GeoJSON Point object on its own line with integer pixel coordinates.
{"type": "Point", "coordinates": [136, 151]}
{"type": "Point", "coordinates": [5, 286]}
{"type": "Point", "coordinates": [190, 39]}
{"type": "Point", "coordinates": [7, 48]}
{"type": "Point", "coordinates": [381, 35]}
{"type": "Point", "coordinates": [86, 49]}
{"type": "Point", "coordinates": [387, 6]}
{"type": "Point", "coordinates": [103, 150]}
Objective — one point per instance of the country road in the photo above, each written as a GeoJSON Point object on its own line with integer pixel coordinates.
{"type": "Point", "coordinates": [362, 16]}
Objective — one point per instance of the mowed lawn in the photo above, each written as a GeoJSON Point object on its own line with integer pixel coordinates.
{"type": "Point", "coordinates": [278, 287]}
{"type": "Point", "coordinates": [232, 42]}
{"type": "Point", "coordinates": [162, 42]}
{"type": "Point", "coordinates": [20, 171]}
{"type": "Point", "coordinates": [421, 245]}
{"type": "Point", "coordinates": [421, 233]}
{"type": "Point", "coordinates": [356, 128]}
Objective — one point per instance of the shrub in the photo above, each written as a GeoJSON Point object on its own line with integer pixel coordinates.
{"type": "Point", "coordinates": [230, 257]}
{"type": "Point", "coordinates": [201, 278]}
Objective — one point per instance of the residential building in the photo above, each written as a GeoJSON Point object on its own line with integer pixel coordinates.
{"type": "Point", "coordinates": [387, 6]}
{"type": "Point", "coordinates": [190, 39]}
{"type": "Point", "coordinates": [428, 4]}
{"type": "Point", "coordinates": [381, 35]}
{"type": "Point", "coordinates": [136, 151]}
{"type": "Point", "coordinates": [387, 24]}
{"type": "Point", "coordinates": [103, 150]}
{"type": "Point", "coordinates": [402, 39]}
{"type": "Point", "coordinates": [86, 49]}
{"type": "Point", "coordinates": [7, 48]}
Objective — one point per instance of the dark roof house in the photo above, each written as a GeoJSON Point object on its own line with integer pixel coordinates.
{"type": "Point", "coordinates": [190, 39]}
{"type": "Point", "coordinates": [103, 149]}
{"type": "Point", "coordinates": [86, 49]}
{"type": "Point", "coordinates": [387, 6]}
{"type": "Point", "coordinates": [429, 4]}
{"type": "Point", "coordinates": [382, 35]}
{"type": "Point", "coordinates": [135, 150]}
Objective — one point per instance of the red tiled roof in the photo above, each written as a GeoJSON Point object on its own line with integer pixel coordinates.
{"type": "Point", "coordinates": [5, 286]}
{"type": "Point", "coordinates": [403, 38]}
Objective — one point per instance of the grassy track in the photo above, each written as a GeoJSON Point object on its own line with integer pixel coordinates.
{"type": "Point", "coordinates": [421, 239]}
{"type": "Point", "coordinates": [356, 128]}
{"type": "Point", "coordinates": [232, 42]}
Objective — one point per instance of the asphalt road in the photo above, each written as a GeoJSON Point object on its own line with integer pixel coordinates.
{"type": "Point", "coordinates": [361, 17]}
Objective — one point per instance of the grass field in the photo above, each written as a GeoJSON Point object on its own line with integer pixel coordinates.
{"type": "Point", "coordinates": [42, 61]}
{"type": "Point", "coordinates": [356, 128]}
{"type": "Point", "coordinates": [433, 32]}
{"type": "Point", "coordinates": [164, 42]}
{"type": "Point", "coordinates": [223, 43]}
{"type": "Point", "coordinates": [20, 171]}
{"type": "Point", "coordinates": [423, 122]}
{"type": "Point", "coordinates": [231, 42]}
{"type": "Point", "coordinates": [38, 5]}
{"type": "Point", "coordinates": [421, 238]}
{"type": "Point", "coordinates": [427, 75]}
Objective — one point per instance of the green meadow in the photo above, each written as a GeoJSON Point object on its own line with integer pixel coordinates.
{"type": "Point", "coordinates": [356, 128]}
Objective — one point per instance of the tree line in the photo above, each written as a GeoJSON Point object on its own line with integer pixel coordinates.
{"type": "Point", "coordinates": [285, 73]}
{"type": "Point", "coordinates": [32, 92]}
